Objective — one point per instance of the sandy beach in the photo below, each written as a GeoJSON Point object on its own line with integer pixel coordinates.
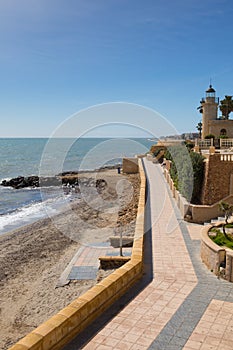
{"type": "Point", "coordinates": [33, 257]}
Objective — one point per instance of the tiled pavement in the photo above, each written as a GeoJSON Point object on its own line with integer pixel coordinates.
{"type": "Point", "coordinates": [179, 304]}
{"type": "Point", "coordinates": [214, 330]}
{"type": "Point", "coordinates": [85, 264]}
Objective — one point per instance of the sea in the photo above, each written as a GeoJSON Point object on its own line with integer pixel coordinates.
{"type": "Point", "coordinates": [49, 157]}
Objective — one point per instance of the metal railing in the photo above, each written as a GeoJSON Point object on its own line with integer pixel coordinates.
{"type": "Point", "coordinates": [210, 99]}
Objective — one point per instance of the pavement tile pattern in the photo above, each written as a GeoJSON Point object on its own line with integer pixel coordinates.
{"type": "Point", "coordinates": [179, 304]}
{"type": "Point", "coordinates": [86, 264]}
{"type": "Point", "coordinates": [215, 329]}
{"type": "Point", "coordinates": [83, 273]}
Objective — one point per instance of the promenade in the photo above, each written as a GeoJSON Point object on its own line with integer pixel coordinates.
{"type": "Point", "coordinates": [178, 304]}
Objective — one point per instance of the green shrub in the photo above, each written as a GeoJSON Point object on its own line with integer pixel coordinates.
{"type": "Point", "coordinates": [221, 240]}
{"type": "Point", "coordinates": [187, 171]}
{"type": "Point", "coordinates": [210, 136]}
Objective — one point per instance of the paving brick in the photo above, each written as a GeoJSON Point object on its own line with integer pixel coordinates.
{"type": "Point", "coordinates": [184, 306]}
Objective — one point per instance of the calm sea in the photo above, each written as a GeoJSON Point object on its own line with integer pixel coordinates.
{"type": "Point", "coordinates": [24, 157]}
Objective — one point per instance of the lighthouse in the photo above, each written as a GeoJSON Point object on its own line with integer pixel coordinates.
{"type": "Point", "coordinates": [209, 107]}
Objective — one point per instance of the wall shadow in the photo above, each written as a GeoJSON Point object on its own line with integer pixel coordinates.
{"type": "Point", "coordinates": [95, 327]}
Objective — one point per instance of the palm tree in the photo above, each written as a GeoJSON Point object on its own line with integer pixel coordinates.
{"type": "Point", "coordinates": [227, 209]}
{"type": "Point", "coordinates": [199, 128]}
{"type": "Point", "coordinates": [226, 106]}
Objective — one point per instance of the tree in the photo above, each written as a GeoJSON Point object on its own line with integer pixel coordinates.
{"type": "Point", "coordinates": [198, 175]}
{"type": "Point", "coordinates": [226, 106]}
{"type": "Point", "coordinates": [227, 209]}
{"type": "Point", "coordinates": [199, 128]}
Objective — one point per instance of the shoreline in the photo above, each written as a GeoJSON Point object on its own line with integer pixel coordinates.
{"type": "Point", "coordinates": [34, 256]}
{"type": "Point", "coordinates": [36, 210]}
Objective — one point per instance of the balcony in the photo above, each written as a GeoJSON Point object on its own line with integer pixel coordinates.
{"type": "Point", "coordinates": [210, 99]}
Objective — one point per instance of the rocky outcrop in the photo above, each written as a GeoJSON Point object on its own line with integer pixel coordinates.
{"type": "Point", "coordinates": [35, 181]}
{"type": "Point", "coordinates": [21, 182]}
{"type": "Point", "coordinates": [68, 179]}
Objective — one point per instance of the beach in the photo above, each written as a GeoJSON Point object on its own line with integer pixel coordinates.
{"type": "Point", "coordinates": [32, 258]}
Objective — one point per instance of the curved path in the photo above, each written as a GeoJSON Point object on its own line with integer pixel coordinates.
{"type": "Point", "coordinates": [178, 304]}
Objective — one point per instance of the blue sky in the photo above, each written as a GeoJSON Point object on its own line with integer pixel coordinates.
{"type": "Point", "coordinates": [58, 57]}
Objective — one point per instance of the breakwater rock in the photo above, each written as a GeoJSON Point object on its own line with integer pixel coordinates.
{"type": "Point", "coordinates": [35, 181]}
{"type": "Point", "coordinates": [68, 180]}
{"type": "Point", "coordinates": [21, 182]}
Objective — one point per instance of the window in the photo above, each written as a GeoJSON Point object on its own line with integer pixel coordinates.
{"type": "Point", "coordinates": [223, 132]}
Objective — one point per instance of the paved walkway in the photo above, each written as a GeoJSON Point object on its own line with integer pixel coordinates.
{"type": "Point", "coordinates": [178, 304]}
{"type": "Point", "coordinates": [85, 264]}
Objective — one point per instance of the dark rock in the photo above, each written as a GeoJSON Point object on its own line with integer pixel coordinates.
{"type": "Point", "coordinates": [31, 181]}
{"type": "Point", "coordinates": [15, 182]}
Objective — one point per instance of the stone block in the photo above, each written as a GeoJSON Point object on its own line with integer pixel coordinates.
{"type": "Point", "coordinates": [48, 333]}
{"type": "Point", "coordinates": [130, 165]}
{"type": "Point", "coordinates": [71, 312]}
{"type": "Point", "coordinates": [18, 347]}
{"type": "Point", "coordinates": [32, 341]}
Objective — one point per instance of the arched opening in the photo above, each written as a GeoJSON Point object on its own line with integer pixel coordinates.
{"type": "Point", "coordinates": [223, 132]}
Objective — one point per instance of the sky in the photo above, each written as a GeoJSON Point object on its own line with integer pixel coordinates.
{"type": "Point", "coordinates": [59, 57]}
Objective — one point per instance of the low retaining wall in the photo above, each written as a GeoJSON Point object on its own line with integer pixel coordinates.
{"type": "Point", "coordinates": [211, 254]}
{"type": "Point", "coordinates": [229, 265]}
{"type": "Point", "coordinates": [70, 321]}
{"type": "Point", "coordinates": [203, 213]}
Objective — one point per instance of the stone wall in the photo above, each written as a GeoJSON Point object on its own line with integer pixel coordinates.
{"type": "Point", "coordinates": [218, 178]}
{"type": "Point", "coordinates": [130, 165]}
{"type": "Point", "coordinates": [203, 213]}
{"type": "Point", "coordinates": [211, 254]}
{"type": "Point", "coordinates": [229, 265]}
{"type": "Point", "coordinates": [215, 127]}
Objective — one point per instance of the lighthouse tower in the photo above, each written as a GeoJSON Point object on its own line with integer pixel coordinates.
{"type": "Point", "coordinates": [209, 106]}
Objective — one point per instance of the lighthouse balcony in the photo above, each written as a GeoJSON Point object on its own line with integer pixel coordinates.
{"type": "Point", "coordinates": [211, 99]}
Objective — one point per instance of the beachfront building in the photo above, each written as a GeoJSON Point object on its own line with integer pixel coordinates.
{"type": "Point", "coordinates": [212, 124]}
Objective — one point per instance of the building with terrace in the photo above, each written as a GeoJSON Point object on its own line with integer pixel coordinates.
{"type": "Point", "coordinates": [220, 127]}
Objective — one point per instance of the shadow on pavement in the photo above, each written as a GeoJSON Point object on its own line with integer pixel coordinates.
{"type": "Point", "coordinates": [84, 337]}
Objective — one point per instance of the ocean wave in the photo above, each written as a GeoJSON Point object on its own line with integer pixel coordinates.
{"type": "Point", "coordinates": [21, 216]}
{"type": "Point", "coordinates": [30, 213]}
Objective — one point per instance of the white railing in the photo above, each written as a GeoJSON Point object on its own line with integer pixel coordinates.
{"type": "Point", "coordinates": [226, 157]}
{"type": "Point", "coordinates": [226, 143]}
{"type": "Point", "coordinates": [205, 144]}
